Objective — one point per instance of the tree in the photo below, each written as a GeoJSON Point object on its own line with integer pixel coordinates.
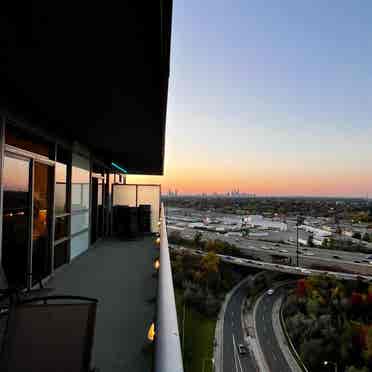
{"type": "Point", "coordinates": [356, 298]}
{"type": "Point", "coordinates": [311, 351]}
{"type": "Point", "coordinates": [210, 262]}
{"type": "Point", "coordinates": [210, 267]}
{"type": "Point", "coordinates": [212, 305]}
{"type": "Point", "coordinates": [210, 246]}
{"type": "Point", "coordinates": [301, 288]}
{"type": "Point", "coordinates": [312, 307]}
{"type": "Point", "coordinates": [355, 369]}
{"type": "Point", "coordinates": [197, 238]}
{"type": "Point", "coordinates": [174, 237]}
{"type": "Point", "coordinates": [368, 352]}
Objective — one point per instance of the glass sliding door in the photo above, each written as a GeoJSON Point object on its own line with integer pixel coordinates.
{"type": "Point", "coordinates": [42, 217]}
{"type": "Point", "coordinates": [16, 220]}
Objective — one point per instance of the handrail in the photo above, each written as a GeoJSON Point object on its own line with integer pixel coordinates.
{"type": "Point", "coordinates": [168, 354]}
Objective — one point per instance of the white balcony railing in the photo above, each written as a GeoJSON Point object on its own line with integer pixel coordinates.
{"type": "Point", "coordinates": [168, 354]}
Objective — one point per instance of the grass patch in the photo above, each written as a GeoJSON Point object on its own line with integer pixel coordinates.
{"type": "Point", "coordinates": [199, 337]}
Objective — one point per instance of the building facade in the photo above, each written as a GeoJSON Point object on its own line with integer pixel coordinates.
{"type": "Point", "coordinates": [82, 102]}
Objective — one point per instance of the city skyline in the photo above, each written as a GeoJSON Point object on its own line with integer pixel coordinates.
{"type": "Point", "coordinates": [273, 100]}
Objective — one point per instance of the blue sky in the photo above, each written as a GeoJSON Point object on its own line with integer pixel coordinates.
{"type": "Point", "coordinates": [266, 92]}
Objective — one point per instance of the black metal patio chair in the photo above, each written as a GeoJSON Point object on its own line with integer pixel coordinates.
{"type": "Point", "coordinates": [50, 333]}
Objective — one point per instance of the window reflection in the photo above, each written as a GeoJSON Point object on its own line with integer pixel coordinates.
{"type": "Point", "coordinates": [79, 222]}
{"type": "Point", "coordinates": [61, 254]}
{"type": "Point", "coordinates": [61, 227]}
{"type": "Point", "coordinates": [80, 187]}
{"type": "Point", "coordinates": [16, 212]}
{"type": "Point", "coordinates": [61, 188]}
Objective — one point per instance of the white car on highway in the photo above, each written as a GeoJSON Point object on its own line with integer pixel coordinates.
{"type": "Point", "coordinates": [270, 291]}
{"type": "Point", "coordinates": [308, 253]}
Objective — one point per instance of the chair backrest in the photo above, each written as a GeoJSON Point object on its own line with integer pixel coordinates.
{"type": "Point", "coordinates": [50, 337]}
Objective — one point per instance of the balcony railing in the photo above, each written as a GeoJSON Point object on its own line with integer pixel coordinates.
{"type": "Point", "coordinates": [168, 354]}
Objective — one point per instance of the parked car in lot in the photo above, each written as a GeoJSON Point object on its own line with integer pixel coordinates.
{"type": "Point", "coordinates": [335, 256]}
{"type": "Point", "coordinates": [283, 251]}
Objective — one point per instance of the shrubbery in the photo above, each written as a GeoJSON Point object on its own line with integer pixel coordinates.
{"type": "Point", "coordinates": [204, 280]}
{"type": "Point", "coordinates": [329, 319]}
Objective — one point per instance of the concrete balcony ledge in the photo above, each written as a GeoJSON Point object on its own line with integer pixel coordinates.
{"type": "Point", "coordinates": [119, 274]}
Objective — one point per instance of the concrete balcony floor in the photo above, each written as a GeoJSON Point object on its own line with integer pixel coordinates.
{"type": "Point", "coordinates": [119, 274]}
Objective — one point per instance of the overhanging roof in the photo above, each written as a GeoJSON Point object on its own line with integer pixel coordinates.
{"type": "Point", "coordinates": [96, 74]}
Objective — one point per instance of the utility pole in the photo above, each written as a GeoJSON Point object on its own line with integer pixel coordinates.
{"type": "Point", "coordinates": [297, 245]}
{"type": "Point", "coordinates": [298, 223]}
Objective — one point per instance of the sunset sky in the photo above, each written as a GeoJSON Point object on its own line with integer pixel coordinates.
{"type": "Point", "coordinates": [271, 97]}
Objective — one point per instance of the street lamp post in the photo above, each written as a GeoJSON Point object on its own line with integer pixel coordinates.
{"type": "Point", "coordinates": [326, 362]}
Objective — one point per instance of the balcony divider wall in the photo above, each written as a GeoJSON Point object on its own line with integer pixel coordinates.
{"type": "Point", "coordinates": [133, 195]}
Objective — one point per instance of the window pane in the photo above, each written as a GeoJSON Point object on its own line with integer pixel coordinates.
{"type": "Point", "coordinates": [100, 190]}
{"type": "Point", "coordinates": [61, 254]}
{"type": "Point", "coordinates": [61, 188]}
{"type": "Point", "coordinates": [80, 188]}
{"type": "Point", "coordinates": [150, 195]}
{"type": "Point", "coordinates": [61, 228]}
{"type": "Point", "coordinates": [79, 244]}
{"type": "Point", "coordinates": [79, 222]}
{"type": "Point", "coordinates": [125, 195]}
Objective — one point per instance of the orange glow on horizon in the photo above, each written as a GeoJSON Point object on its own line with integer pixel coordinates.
{"type": "Point", "coordinates": [198, 181]}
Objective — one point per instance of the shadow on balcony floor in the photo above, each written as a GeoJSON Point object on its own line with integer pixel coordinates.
{"type": "Point", "coordinates": [119, 274]}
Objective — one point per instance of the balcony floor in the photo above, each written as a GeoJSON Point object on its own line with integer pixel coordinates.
{"type": "Point", "coordinates": [119, 274]}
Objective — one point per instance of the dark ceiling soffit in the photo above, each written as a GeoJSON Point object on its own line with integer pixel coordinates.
{"type": "Point", "coordinates": [166, 32]}
{"type": "Point", "coordinates": [29, 111]}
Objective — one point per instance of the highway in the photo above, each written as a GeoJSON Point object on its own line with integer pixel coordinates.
{"type": "Point", "coordinates": [233, 336]}
{"type": "Point", "coordinates": [279, 267]}
{"type": "Point", "coordinates": [308, 256]}
{"type": "Point", "coordinates": [275, 359]}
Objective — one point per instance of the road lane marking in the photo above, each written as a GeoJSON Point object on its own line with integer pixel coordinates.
{"type": "Point", "coordinates": [237, 354]}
